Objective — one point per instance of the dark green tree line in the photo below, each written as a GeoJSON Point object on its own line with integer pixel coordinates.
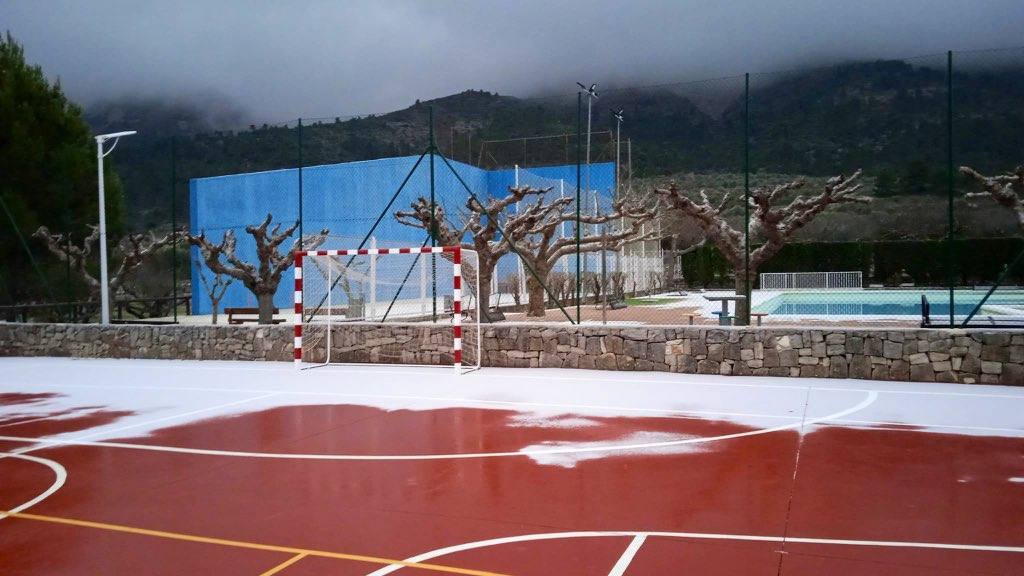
{"type": "Point", "coordinates": [47, 176]}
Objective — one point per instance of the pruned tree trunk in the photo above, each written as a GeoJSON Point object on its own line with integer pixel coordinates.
{"type": "Point", "coordinates": [535, 292]}
{"type": "Point", "coordinates": [777, 225]}
{"type": "Point", "coordinates": [266, 306]}
{"type": "Point", "coordinates": [261, 280]}
{"type": "Point", "coordinates": [135, 249]}
{"type": "Point", "coordinates": [484, 278]}
{"type": "Point", "coordinates": [743, 307]}
{"type": "Point", "coordinates": [1006, 189]}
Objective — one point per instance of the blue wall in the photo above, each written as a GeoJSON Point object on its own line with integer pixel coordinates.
{"type": "Point", "coordinates": [346, 199]}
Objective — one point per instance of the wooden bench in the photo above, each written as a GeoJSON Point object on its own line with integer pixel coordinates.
{"type": "Point", "coordinates": [233, 312]}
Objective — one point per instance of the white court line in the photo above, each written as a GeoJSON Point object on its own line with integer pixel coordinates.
{"type": "Point", "coordinates": [515, 403]}
{"type": "Point", "coordinates": [81, 439]}
{"type": "Point", "coordinates": [439, 399]}
{"type": "Point", "coordinates": [627, 555]}
{"type": "Point", "coordinates": [41, 418]}
{"type": "Point", "coordinates": [60, 477]}
{"type": "Point", "coordinates": [600, 376]}
{"type": "Point", "coordinates": [690, 535]}
{"type": "Point", "coordinates": [897, 426]}
{"type": "Point", "coordinates": [867, 401]}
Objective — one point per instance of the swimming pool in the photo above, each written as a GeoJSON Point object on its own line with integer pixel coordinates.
{"type": "Point", "coordinates": [887, 302]}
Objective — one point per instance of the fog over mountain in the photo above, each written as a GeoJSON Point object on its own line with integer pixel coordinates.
{"type": "Point", "coordinates": [285, 59]}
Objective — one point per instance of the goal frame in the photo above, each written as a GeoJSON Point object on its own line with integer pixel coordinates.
{"type": "Point", "coordinates": [456, 254]}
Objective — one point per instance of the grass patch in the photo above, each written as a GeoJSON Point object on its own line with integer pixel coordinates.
{"type": "Point", "coordinates": [649, 301]}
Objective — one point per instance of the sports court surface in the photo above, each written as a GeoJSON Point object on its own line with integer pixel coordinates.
{"type": "Point", "coordinates": [176, 467]}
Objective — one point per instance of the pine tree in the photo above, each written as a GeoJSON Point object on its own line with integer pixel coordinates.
{"type": "Point", "coordinates": [47, 173]}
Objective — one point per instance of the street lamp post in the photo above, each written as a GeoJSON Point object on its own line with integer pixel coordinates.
{"type": "Point", "coordinates": [591, 96]}
{"type": "Point", "coordinates": [100, 154]}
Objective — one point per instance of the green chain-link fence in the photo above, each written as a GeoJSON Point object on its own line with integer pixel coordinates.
{"type": "Point", "coordinates": [916, 236]}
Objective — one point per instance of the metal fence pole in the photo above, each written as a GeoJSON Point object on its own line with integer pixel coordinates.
{"type": "Point", "coordinates": [747, 285]}
{"type": "Point", "coordinates": [174, 229]}
{"type": "Point", "coordinates": [579, 137]}
{"type": "Point", "coordinates": [300, 182]}
{"type": "Point", "coordinates": [433, 221]}
{"type": "Point", "coordinates": [950, 175]}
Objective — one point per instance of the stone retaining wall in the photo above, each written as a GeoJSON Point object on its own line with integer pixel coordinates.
{"type": "Point", "coordinates": [971, 356]}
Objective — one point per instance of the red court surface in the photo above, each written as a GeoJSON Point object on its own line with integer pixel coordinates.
{"type": "Point", "coordinates": [174, 467]}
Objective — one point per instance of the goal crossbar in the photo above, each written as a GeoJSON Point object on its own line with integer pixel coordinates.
{"type": "Point", "coordinates": [454, 255]}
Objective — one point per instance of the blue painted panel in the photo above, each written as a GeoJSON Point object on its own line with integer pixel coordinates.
{"type": "Point", "coordinates": [347, 199]}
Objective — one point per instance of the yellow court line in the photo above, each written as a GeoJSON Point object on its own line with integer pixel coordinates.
{"type": "Point", "coordinates": [284, 564]}
{"type": "Point", "coordinates": [249, 545]}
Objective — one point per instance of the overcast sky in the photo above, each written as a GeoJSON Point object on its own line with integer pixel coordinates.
{"type": "Point", "coordinates": [284, 59]}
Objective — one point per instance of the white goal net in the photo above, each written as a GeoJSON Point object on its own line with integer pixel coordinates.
{"type": "Point", "coordinates": [410, 306]}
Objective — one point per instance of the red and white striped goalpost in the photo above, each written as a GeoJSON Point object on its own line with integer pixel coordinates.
{"type": "Point", "coordinates": [455, 251]}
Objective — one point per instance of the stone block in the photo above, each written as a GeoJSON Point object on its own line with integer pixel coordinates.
{"type": "Point", "coordinates": [835, 350]}
{"type": "Point", "coordinates": [606, 361]}
{"type": "Point", "coordinates": [892, 350]}
{"type": "Point", "coordinates": [1013, 374]}
{"type": "Point", "coordinates": [854, 345]}
{"type": "Point", "coordinates": [716, 352]}
{"type": "Point", "coordinates": [899, 370]}
{"type": "Point", "coordinates": [922, 373]}
{"type": "Point", "coordinates": [656, 351]}
{"type": "Point", "coordinates": [838, 367]}
{"type": "Point", "coordinates": [612, 344]}
{"type": "Point", "coordinates": [548, 360]}
{"type": "Point", "coordinates": [919, 358]}
{"type": "Point", "coordinates": [814, 371]}
{"type": "Point", "coordinates": [707, 367]}
{"type": "Point", "coordinates": [860, 367]}
{"type": "Point", "coordinates": [991, 367]}
{"type": "Point", "coordinates": [836, 338]}
{"type": "Point", "coordinates": [716, 336]}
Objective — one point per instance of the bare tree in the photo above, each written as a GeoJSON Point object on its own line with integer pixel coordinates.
{"type": "Point", "coordinates": [534, 233]}
{"type": "Point", "coordinates": [135, 249]}
{"type": "Point", "coordinates": [483, 223]}
{"type": "Point", "coordinates": [775, 225]}
{"type": "Point", "coordinates": [1006, 189]}
{"type": "Point", "coordinates": [262, 279]}
{"type": "Point", "coordinates": [216, 290]}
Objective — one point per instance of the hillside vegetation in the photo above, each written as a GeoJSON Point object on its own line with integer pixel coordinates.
{"type": "Point", "coordinates": [887, 117]}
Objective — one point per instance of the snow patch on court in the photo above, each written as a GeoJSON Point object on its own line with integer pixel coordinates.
{"type": "Point", "coordinates": [564, 421]}
{"type": "Point", "coordinates": [544, 453]}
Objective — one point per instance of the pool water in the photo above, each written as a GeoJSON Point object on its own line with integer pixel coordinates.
{"type": "Point", "coordinates": [885, 302]}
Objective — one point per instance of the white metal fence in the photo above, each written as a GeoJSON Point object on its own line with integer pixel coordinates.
{"type": "Point", "coordinates": [811, 280]}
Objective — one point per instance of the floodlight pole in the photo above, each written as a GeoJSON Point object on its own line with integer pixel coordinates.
{"type": "Point", "coordinates": [100, 154]}
{"type": "Point", "coordinates": [591, 96]}
{"type": "Point", "coordinates": [618, 149]}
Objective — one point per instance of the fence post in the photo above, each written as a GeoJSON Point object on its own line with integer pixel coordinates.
{"type": "Point", "coordinates": [951, 277]}
{"type": "Point", "coordinates": [746, 199]}
{"type": "Point", "coordinates": [299, 130]}
{"type": "Point", "coordinates": [433, 223]}
{"type": "Point", "coordinates": [174, 229]}
{"type": "Point", "coordinates": [579, 137]}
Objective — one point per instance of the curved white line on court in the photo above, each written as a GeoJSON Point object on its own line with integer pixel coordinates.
{"type": "Point", "coordinates": [867, 401]}
{"type": "Point", "coordinates": [60, 476]}
{"type": "Point", "coordinates": [688, 535]}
